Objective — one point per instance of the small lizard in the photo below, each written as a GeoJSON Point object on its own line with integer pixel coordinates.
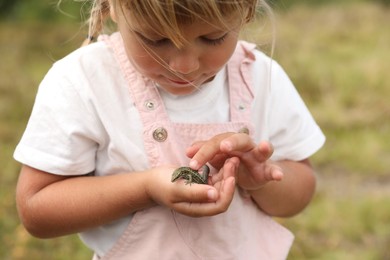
{"type": "Point", "coordinates": [191, 176]}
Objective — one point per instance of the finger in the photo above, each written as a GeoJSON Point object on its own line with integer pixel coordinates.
{"type": "Point", "coordinates": [217, 161]}
{"type": "Point", "coordinates": [237, 143]}
{"type": "Point", "coordinates": [266, 148]}
{"type": "Point", "coordinates": [191, 151]}
{"type": "Point", "coordinates": [207, 151]}
{"type": "Point", "coordinates": [272, 173]}
{"type": "Point", "coordinates": [276, 173]}
{"type": "Point", "coordinates": [229, 169]}
{"type": "Point", "coordinates": [261, 153]}
{"type": "Point", "coordinates": [211, 208]}
{"type": "Point", "coordinates": [194, 192]}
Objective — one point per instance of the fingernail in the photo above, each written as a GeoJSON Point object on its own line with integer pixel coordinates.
{"type": "Point", "coordinates": [194, 164]}
{"type": "Point", "coordinates": [211, 194]}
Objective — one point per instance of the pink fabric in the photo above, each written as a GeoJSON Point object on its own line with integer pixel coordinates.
{"type": "Point", "coordinates": [243, 232]}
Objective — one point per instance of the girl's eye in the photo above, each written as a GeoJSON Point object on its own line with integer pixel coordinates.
{"type": "Point", "coordinates": [216, 41]}
{"type": "Point", "coordinates": [154, 43]}
{"type": "Point", "coordinates": [157, 43]}
{"type": "Point", "coordinates": [166, 41]}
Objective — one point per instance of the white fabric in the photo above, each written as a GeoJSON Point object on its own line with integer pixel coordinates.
{"type": "Point", "coordinates": [212, 100]}
{"type": "Point", "coordinates": [84, 121]}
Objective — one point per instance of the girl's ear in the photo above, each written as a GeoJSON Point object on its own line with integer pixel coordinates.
{"type": "Point", "coordinates": [112, 11]}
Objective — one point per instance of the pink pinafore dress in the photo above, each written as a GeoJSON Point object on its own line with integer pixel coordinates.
{"type": "Point", "coordinates": [243, 231]}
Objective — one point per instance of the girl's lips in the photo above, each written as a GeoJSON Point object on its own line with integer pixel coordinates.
{"type": "Point", "coordinates": [181, 82]}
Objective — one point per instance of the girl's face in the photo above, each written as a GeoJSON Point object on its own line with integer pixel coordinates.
{"type": "Point", "coordinates": [180, 71]}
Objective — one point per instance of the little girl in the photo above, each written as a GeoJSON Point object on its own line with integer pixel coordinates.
{"type": "Point", "coordinates": [174, 87]}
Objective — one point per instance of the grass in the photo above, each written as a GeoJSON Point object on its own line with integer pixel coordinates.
{"type": "Point", "coordinates": [338, 57]}
{"type": "Point", "coordinates": [27, 50]}
{"type": "Point", "coordinates": [340, 64]}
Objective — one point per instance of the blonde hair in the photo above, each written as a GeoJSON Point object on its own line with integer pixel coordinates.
{"type": "Point", "coordinates": [166, 16]}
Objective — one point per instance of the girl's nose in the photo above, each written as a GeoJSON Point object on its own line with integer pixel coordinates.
{"type": "Point", "coordinates": [184, 61]}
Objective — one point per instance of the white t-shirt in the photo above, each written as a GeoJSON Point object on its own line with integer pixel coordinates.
{"type": "Point", "coordinates": [84, 121]}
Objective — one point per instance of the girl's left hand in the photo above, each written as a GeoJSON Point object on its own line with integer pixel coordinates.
{"type": "Point", "coordinates": [255, 167]}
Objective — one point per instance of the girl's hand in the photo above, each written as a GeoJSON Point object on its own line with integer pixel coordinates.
{"type": "Point", "coordinates": [255, 168]}
{"type": "Point", "coordinates": [194, 200]}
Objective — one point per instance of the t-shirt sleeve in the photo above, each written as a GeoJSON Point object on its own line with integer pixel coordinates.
{"type": "Point", "coordinates": [60, 136]}
{"type": "Point", "coordinates": [292, 129]}
{"type": "Point", "coordinates": [295, 134]}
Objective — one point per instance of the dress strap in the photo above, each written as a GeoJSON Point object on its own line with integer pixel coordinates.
{"type": "Point", "coordinates": [142, 90]}
{"type": "Point", "coordinates": [240, 81]}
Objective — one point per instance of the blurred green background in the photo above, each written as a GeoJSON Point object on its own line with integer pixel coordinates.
{"type": "Point", "coordinates": [337, 54]}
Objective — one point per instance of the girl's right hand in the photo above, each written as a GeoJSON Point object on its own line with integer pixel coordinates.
{"type": "Point", "coordinates": [195, 200]}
